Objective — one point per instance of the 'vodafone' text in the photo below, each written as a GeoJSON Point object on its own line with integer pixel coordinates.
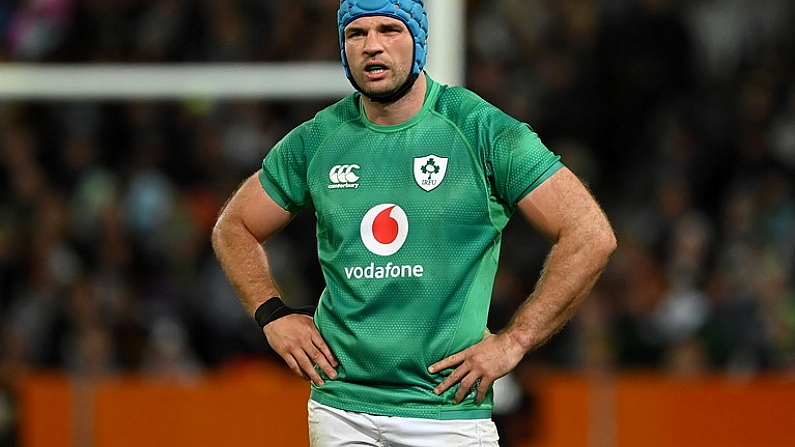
{"type": "Point", "coordinates": [389, 270]}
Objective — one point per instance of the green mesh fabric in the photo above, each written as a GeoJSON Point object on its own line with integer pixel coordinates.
{"type": "Point", "coordinates": [409, 219]}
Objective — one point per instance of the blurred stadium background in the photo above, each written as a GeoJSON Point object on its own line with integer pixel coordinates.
{"type": "Point", "coordinates": [114, 314]}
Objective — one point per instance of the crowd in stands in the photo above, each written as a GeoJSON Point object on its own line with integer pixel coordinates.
{"type": "Point", "coordinates": [680, 116]}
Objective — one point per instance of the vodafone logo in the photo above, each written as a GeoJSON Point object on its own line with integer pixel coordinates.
{"type": "Point", "coordinates": [384, 229]}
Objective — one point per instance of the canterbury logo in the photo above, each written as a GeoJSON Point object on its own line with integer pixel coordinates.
{"type": "Point", "coordinates": [343, 174]}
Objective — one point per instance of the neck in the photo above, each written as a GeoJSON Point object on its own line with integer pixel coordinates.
{"type": "Point", "coordinates": [400, 111]}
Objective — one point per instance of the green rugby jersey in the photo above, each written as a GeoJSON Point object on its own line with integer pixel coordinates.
{"type": "Point", "coordinates": [409, 219]}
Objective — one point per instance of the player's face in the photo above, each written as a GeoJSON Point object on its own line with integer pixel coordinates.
{"type": "Point", "coordinates": [380, 53]}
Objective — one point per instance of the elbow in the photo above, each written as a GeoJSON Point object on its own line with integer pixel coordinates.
{"type": "Point", "coordinates": [597, 242]}
{"type": "Point", "coordinates": [217, 233]}
{"type": "Point", "coordinates": [604, 244]}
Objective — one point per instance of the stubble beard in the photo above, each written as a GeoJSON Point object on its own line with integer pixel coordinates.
{"type": "Point", "coordinates": [395, 82]}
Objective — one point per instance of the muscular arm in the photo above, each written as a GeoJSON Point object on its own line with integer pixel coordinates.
{"type": "Point", "coordinates": [563, 210]}
{"type": "Point", "coordinates": [249, 218]}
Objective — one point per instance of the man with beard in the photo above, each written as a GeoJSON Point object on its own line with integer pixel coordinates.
{"type": "Point", "coordinates": [412, 183]}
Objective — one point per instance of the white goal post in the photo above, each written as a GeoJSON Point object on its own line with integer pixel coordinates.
{"type": "Point", "coordinates": [302, 80]}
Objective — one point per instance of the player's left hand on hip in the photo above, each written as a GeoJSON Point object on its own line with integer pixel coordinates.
{"type": "Point", "coordinates": [476, 367]}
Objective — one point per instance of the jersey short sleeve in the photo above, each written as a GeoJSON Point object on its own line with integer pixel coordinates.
{"type": "Point", "coordinates": [520, 162]}
{"type": "Point", "coordinates": [514, 159]}
{"type": "Point", "coordinates": [284, 172]}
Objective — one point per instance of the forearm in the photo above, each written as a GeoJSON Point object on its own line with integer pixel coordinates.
{"type": "Point", "coordinates": [571, 269]}
{"type": "Point", "coordinates": [245, 263]}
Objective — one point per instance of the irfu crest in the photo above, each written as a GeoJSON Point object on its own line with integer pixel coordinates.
{"type": "Point", "coordinates": [429, 171]}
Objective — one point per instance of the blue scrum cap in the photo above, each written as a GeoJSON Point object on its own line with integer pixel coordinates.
{"type": "Point", "coordinates": [410, 12]}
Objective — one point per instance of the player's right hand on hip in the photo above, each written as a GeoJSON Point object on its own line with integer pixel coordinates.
{"type": "Point", "coordinates": [296, 339]}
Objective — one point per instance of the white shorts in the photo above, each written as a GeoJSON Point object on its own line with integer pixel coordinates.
{"type": "Point", "coordinates": [330, 427]}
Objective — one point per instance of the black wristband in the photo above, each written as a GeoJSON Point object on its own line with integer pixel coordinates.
{"type": "Point", "coordinates": [274, 308]}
